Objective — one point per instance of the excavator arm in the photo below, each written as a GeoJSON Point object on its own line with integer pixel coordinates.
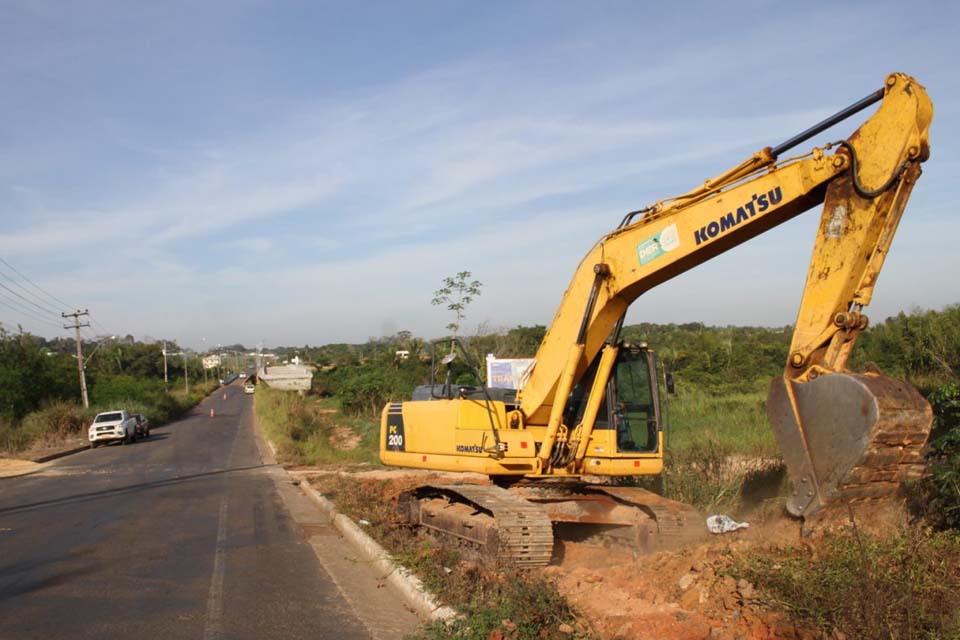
{"type": "Point", "coordinates": [864, 186]}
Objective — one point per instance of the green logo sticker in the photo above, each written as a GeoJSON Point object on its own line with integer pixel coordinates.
{"type": "Point", "coordinates": [667, 239]}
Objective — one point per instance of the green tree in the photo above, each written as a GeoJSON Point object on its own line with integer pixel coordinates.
{"type": "Point", "coordinates": [456, 293]}
{"type": "Point", "coordinates": [30, 374]}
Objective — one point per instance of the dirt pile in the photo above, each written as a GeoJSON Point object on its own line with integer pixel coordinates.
{"type": "Point", "coordinates": [680, 595]}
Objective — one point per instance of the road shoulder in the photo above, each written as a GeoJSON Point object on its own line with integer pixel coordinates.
{"type": "Point", "coordinates": [14, 468]}
{"type": "Point", "coordinates": [366, 587]}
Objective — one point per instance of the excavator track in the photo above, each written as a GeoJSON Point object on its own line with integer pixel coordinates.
{"type": "Point", "coordinates": [515, 527]}
{"type": "Point", "coordinates": [634, 518]}
{"type": "Point", "coordinates": [491, 523]}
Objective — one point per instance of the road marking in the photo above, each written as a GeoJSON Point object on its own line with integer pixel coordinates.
{"type": "Point", "coordinates": [213, 628]}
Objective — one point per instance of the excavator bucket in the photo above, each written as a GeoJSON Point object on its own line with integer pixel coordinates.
{"type": "Point", "coordinates": [847, 437]}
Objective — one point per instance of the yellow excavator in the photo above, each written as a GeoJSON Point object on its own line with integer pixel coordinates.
{"type": "Point", "coordinates": [592, 407]}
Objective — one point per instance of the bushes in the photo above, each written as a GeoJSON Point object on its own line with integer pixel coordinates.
{"type": "Point", "coordinates": [310, 430]}
{"type": "Point", "coordinates": [936, 498]}
{"type": "Point", "coordinates": [511, 605]}
{"type": "Point", "coordinates": [58, 419]}
{"type": "Point", "coordinates": [54, 421]}
{"type": "Point", "coordinates": [903, 586]}
{"type": "Point", "coordinates": [365, 388]}
{"type": "Point", "coordinates": [114, 389]}
{"type": "Point", "coordinates": [29, 376]}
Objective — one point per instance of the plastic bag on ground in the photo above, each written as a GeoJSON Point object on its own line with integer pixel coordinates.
{"type": "Point", "coordinates": [724, 524]}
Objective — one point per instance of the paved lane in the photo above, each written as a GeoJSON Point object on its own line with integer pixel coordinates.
{"type": "Point", "coordinates": [183, 535]}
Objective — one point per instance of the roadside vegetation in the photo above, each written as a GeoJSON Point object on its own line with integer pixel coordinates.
{"type": "Point", "coordinates": [498, 605]}
{"type": "Point", "coordinates": [40, 396]}
{"type": "Point", "coordinates": [308, 430]}
{"type": "Point", "coordinates": [865, 586]}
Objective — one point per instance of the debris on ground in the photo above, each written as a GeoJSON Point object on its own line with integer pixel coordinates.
{"type": "Point", "coordinates": [724, 524]}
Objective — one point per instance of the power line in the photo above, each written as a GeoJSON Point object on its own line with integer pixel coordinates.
{"type": "Point", "coordinates": [21, 308]}
{"type": "Point", "coordinates": [18, 323]}
{"type": "Point", "coordinates": [36, 286]}
{"type": "Point", "coordinates": [102, 328]}
{"type": "Point", "coordinates": [13, 281]}
{"type": "Point", "coordinates": [49, 296]}
{"type": "Point", "coordinates": [28, 301]}
{"type": "Point", "coordinates": [25, 312]}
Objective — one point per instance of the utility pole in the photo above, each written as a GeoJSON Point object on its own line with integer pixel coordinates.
{"type": "Point", "coordinates": [164, 366]}
{"type": "Point", "coordinates": [203, 363]}
{"type": "Point", "coordinates": [186, 379]}
{"type": "Point", "coordinates": [76, 326]}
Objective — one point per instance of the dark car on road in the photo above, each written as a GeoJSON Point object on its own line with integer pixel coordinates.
{"type": "Point", "coordinates": [143, 425]}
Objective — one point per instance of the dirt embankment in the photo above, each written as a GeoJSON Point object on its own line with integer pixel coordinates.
{"type": "Point", "coordinates": [687, 594]}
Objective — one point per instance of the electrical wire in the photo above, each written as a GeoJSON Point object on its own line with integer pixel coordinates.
{"type": "Point", "coordinates": [102, 328]}
{"type": "Point", "coordinates": [28, 314]}
{"type": "Point", "coordinates": [40, 300]}
{"type": "Point", "coordinates": [30, 302]}
{"type": "Point", "coordinates": [36, 286]}
{"type": "Point", "coordinates": [49, 298]}
{"type": "Point", "coordinates": [23, 309]}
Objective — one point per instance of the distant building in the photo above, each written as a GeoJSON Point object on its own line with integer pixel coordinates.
{"type": "Point", "coordinates": [402, 355]}
{"type": "Point", "coordinates": [211, 362]}
{"type": "Point", "coordinates": [289, 377]}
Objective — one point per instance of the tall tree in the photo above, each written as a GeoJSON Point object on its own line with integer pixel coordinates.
{"type": "Point", "coordinates": [456, 293]}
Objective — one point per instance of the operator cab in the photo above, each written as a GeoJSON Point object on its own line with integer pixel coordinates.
{"type": "Point", "coordinates": [631, 402]}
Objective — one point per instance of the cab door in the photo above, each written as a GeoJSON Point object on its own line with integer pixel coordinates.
{"type": "Point", "coordinates": [635, 410]}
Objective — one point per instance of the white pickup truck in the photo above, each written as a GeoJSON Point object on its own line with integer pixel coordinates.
{"type": "Point", "coordinates": [111, 426]}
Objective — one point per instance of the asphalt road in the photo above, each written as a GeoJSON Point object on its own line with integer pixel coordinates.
{"type": "Point", "coordinates": [183, 535]}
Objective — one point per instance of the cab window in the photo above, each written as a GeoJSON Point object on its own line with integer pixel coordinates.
{"type": "Point", "coordinates": [634, 414]}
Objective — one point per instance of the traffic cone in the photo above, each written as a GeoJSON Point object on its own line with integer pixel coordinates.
{"type": "Point", "coordinates": [211, 413]}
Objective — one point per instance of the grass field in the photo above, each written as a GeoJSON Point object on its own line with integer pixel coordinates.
{"type": "Point", "coordinates": [736, 422]}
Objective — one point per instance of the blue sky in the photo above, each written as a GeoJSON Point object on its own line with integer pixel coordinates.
{"type": "Point", "coordinates": [308, 172]}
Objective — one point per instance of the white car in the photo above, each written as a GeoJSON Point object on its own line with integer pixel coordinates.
{"type": "Point", "coordinates": [112, 426]}
{"type": "Point", "coordinates": [249, 388]}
